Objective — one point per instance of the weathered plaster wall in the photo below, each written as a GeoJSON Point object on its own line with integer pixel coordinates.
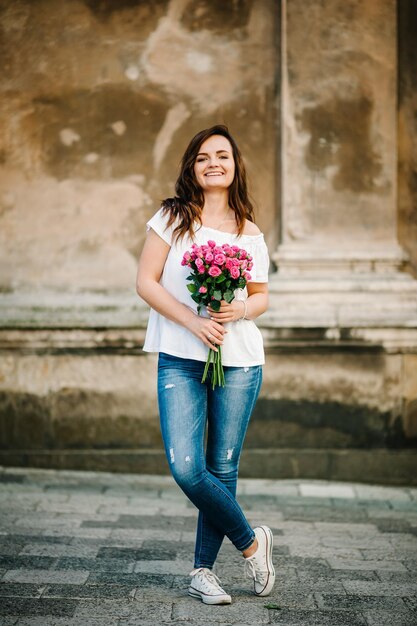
{"type": "Point", "coordinates": [407, 127]}
{"type": "Point", "coordinates": [98, 101]}
{"type": "Point", "coordinates": [333, 415]}
{"type": "Point", "coordinates": [339, 122]}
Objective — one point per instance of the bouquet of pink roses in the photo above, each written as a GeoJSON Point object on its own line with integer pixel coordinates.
{"type": "Point", "coordinates": [216, 271]}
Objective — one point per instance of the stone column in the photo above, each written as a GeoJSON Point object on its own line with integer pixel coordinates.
{"type": "Point", "coordinates": [339, 162]}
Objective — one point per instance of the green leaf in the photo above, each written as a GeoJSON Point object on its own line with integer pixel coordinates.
{"type": "Point", "coordinates": [215, 305]}
{"type": "Point", "coordinates": [217, 294]}
{"type": "Point", "coordinates": [196, 297]}
{"type": "Point", "coordinates": [228, 283]}
{"type": "Point", "coordinates": [228, 296]}
{"type": "Point", "coordinates": [220, 278]}
{"type": "Point", "coordinates": [272, 606]}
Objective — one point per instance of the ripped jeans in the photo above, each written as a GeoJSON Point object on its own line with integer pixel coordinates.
{"type": "Point", "coordinates": [208, 478]}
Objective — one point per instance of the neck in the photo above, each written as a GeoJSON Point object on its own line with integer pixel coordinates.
{"type": "Point", "coordinates": [216, 202]}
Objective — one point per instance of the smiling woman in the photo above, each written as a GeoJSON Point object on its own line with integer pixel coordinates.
{"type": "Point", "coordinates": [211, 206]}
{"type": "Point", "coordinates": [214, 166]}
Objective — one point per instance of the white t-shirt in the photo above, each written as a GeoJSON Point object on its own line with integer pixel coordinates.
{"type": "Point", "coordinates": [243, 344]}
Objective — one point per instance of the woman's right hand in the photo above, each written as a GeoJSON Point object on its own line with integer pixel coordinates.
{"type": "Point", "coordinates": [210, 332]}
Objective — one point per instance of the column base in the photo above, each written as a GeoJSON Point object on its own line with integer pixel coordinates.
{"type": "Point", "coordinates": [300, 258]}
{"type": "Point", "coordinates": [355, 300]}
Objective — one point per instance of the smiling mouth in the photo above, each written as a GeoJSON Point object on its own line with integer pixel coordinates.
{"type": "Point", "coordinates": [214, 174]}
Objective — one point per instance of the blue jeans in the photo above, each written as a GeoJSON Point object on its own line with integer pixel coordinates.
{"type": "Point", "coordinates": [208, 477]}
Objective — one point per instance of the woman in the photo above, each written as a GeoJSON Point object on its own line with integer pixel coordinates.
{"type": "Point", "coordinates": [211, 203]}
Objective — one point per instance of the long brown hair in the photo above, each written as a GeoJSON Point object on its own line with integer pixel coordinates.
{"type": "Point", "coordinates": [189, 199]}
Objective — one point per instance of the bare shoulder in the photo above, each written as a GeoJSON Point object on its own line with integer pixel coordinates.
{"type": "Point", "coordinates": [251, 228]}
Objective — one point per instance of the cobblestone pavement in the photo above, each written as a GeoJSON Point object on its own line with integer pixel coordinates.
{"type": "Point", "coordinates": [102, 549]}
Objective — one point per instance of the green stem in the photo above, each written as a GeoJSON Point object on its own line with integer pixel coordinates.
{"type": "Point", "coordinates": [203, 380]}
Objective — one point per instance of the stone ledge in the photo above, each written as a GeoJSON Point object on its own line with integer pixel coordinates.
{"type": "Point", "coordinates": [130, 340]}
{"type": "Point", "coordinates": [382, 466]}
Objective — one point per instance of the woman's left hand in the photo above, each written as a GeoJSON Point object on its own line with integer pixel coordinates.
{"type": "Point", "coordinates": [229, 312]}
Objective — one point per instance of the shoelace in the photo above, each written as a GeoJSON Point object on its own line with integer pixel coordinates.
{"type": "Point", "coordinates": [208, 578]}
{"type": "Point", "coordinates": [255, 571]}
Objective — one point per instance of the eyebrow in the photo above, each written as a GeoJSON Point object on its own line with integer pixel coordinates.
{"type": "Point", "coordinates": [217, 152]}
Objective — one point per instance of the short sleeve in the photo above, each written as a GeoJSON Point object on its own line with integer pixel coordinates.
{"type": "Point", "coordinates": [159, 223]}
{"type": "Point", "coordinates": [260, 259]}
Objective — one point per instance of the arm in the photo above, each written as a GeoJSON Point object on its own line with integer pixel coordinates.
{"type": "Point", "coordinates": [151, 265]}
{"type": "Point", "coordinates": [256, 304]}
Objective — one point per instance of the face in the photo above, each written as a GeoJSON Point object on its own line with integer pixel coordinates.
{"type": "Point", "coordinates": [214, 167]}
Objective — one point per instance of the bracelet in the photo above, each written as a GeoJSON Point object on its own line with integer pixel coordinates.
{"type": "Point", "coordinates": [245, 310]}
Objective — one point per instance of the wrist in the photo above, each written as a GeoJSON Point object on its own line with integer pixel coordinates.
{"type": "Point", "coordinates": [244, 312]}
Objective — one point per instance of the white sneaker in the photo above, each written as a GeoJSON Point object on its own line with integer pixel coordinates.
{"type": "Point", "coordinates": [259, 566]}
{"type": "Point", "coordinates": [206, 586]}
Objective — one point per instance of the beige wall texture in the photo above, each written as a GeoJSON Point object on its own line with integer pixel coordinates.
{"type": "Point", "coordinates": [98, 99]}
{"type": "Point", "coordinates": [98, 102]}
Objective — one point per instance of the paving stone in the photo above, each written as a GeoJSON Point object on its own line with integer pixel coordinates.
{"type": "Point", "coordinates": [397, 577]}
{"type": "Point", "coordinates": [100, 565]}
{"type": "Point", "coordinates": [175, 568]}
{"type": "Point", "coordinates": [45, 576]}
{"type": "Point", "coordinates": [143, 521]}
{"type": "Point", "coordinates": [8, 621]}
{"type": "Point", "coordinates": [140, 580]}
{"type": "Point", "coordinates": [389, 618]}
{"type": "Point", "coordinates": [344, 528]}
{"type": "Point", "coordinates": [58, 550]}
{"type": "Point", "coordinates": [288, 617]}
{"type": "Point", "coordinates": [339, 575]}
{"type": "Point", "coordinates": [21, 589]}
{"type": "Point", "coordinates": [195, 610]}
{"type": "Point", "coordinates": [98, 607]}
{"type": "Point", "coordinates": [27, 562]}
{"type": "Point", "coordinates": [93, 590]}
{"type": "Point", "coordinates": [142, 554]}
{"type": "Point", "coordinates": [325, 552]}
{"type": "Point", "coordinates": [359, 602]}
{"type": "Point", "coordinates": [131, 538]}
{"type": "Point", "coordinates": [382, 554]}
{"type": "Point", "coordinates": [410, 564]}
{"type": "Point", "coordinates": [28, 539]}
{"type": "Point", "coordinates": [37, 606]}
{"type": "Point", "coordinates": [64, 621]}
{"type": "Point", "coordinates": [154, 611]}
{"type": "Point", "coordinates": [393, 566]}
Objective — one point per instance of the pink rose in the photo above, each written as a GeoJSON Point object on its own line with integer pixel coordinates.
{"type": "Point", "coordinates": [243, 254]}
{"type": "Point", "coordinates": [229, 264]}
{"type": "Point", "coordinates": [235, 249]}
{"type": "Point", "coordinates": [219, 259]}
{"type": "Point", "coordinates": [186, 258]}
{"type": "Point", "coordinates": [199, 263]}
{"type": "Point", "coordinates": [209, 257]}
{"type": "Point", "coordinates": [214, 271]}
{"type": "Point", "coordinates": [211, 243]}
{"type": "Point", "coordinates": [217, 250]}
{"type": "Point", "coordinates": [234, 272]}
{"type": "Point", "coordinates": [226, 248]}
{"type": "Point", "coordinates": [247, 275]}
{"type": "Point", "coordinates": [201, 269]}
{"type": "Point", "coordinates": [243, 265]}
{"type": "Point", "coordinates": [250, 265]}
{"type": "Point", "coordinates": [202, 289]}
